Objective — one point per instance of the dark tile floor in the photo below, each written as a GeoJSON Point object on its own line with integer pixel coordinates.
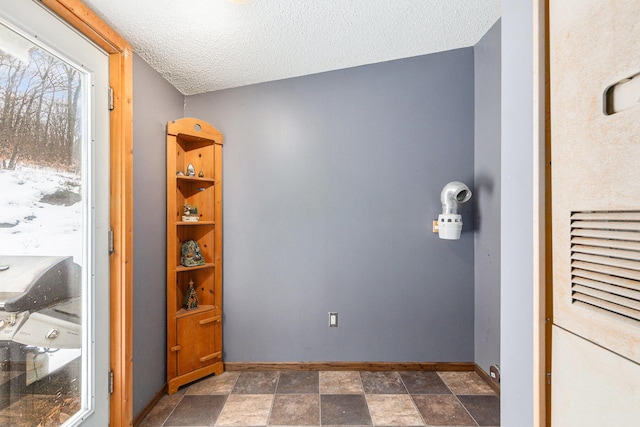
{"type": "Point", "coordinates": [330, 398]}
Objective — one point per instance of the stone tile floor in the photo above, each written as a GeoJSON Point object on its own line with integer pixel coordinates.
{"type": "Point", "coordinates": [330, 398]}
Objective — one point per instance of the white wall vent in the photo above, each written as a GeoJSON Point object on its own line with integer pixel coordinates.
{"type": "Point", "coordinates": [605, 262]}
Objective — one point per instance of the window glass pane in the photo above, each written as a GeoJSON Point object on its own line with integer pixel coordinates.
{"type": "Point", "coordinates": [43, 234]}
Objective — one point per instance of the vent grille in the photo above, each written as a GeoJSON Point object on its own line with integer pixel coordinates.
{"type": "Point", "coordinates": [605, 262]}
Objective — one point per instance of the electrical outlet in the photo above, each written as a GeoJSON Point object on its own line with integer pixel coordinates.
{"type": "Point", "coordinates": [494, 373]}
{"type": "Point", "coordinates": [333, 319]}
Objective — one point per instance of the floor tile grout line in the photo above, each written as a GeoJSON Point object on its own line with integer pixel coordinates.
{"type": "Point", "coordinates": [445, 383]}
{"type": "Point", "coordinates": [227, 395]}
{"type": "Point", "coordinates": [364, 395]}
{"type": "Point", "coordinates": [424, 422]}
{"type": "Point", "coordinates": [456, 396]}
{"type": "Point", "coordinates": [226, 399]}
{"type": "Point", "coordinates": [459, 401]}
{"type": "Point", "coordinates": [273, 397]}
{"type": "Point", "coordinates": [172, 410]}
{"type": "Point", "coordinates": [319, 401]}
{"type": "Point", "coordinates": [465, 408]}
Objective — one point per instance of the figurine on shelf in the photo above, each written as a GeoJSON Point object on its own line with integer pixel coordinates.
{"type": "Point", "coordinates": [179, 173]}
{"type": "Point", "coordinates": [191, 171]}
{"type": "Point", "coordinates": [201, 174]}
{"type": "Point", "coordinates": [191, 255]}
{"type": "Point", "coordinates": [190, 213]}
{"type": "Point", "coordinates": [190, 298]}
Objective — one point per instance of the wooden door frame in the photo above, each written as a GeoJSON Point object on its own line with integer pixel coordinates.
{"type": "Point", "coordinates": [120, 54]}
{"type": "Point", "coordinates": [542, 251]}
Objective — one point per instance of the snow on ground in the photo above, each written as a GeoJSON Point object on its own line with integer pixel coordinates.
{"type": "Point", "coordinates": [31, 227]}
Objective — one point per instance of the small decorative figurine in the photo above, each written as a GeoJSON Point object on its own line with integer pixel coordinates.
{"type": "Point", "coordinates": [191, 255]}
{"type": "Point", "coordinates": [191, 171]}
{"type": "Point", "coordinates": [201, 174]}
{"type": "Point", "coordinates": [190, 213]}
{"type": "Point", "coordinates": [190, 298]}
{"type": "Point", "coordinates": [179, 173]}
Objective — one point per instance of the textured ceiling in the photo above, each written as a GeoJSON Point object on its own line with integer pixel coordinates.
{"type": "Point", "coordinates": [206, 45]}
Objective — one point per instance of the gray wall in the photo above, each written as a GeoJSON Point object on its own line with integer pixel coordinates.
{"type": "Point", "coordinates": [331, 182]}
{"type": "Point", "coordinates": [487, 196]}
{"type": "Point", "coordinates": [516, 263]}
{"type": "Point", "coordinates": [156, 102]}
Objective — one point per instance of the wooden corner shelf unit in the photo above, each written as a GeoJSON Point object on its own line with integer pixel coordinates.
{"type": "Point", "coordinates": [194, 336]}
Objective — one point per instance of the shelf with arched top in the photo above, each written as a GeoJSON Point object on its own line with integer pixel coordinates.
{"type": "Point", "coordinates": [194, 217]}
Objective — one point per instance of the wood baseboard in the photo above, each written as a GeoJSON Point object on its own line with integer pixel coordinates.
{"type": "Point", "coordinates": [349, 366]}
{"type": "Point", "coordinates": [149, 406]}
{"type": "Point", "coordinates": [487, 378]}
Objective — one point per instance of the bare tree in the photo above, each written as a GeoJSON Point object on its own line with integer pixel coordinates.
{"type": "Point", "coordinates": [15, 72]}
{"type": "Point", "coordinates": [73, 93]}
{"type": "Point", "coordinates": [40, 112]}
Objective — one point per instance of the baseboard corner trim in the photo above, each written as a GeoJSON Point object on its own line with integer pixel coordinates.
{"type": "Point", "coordinates": [487, 378]}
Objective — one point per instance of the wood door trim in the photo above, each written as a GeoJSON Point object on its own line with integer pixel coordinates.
{"type": "Point", "coordinates": [545, 370]}
{"type": "Point", "coordinates": [542, 216]}
{"type": "Point", "coordinates": [120, 53]}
